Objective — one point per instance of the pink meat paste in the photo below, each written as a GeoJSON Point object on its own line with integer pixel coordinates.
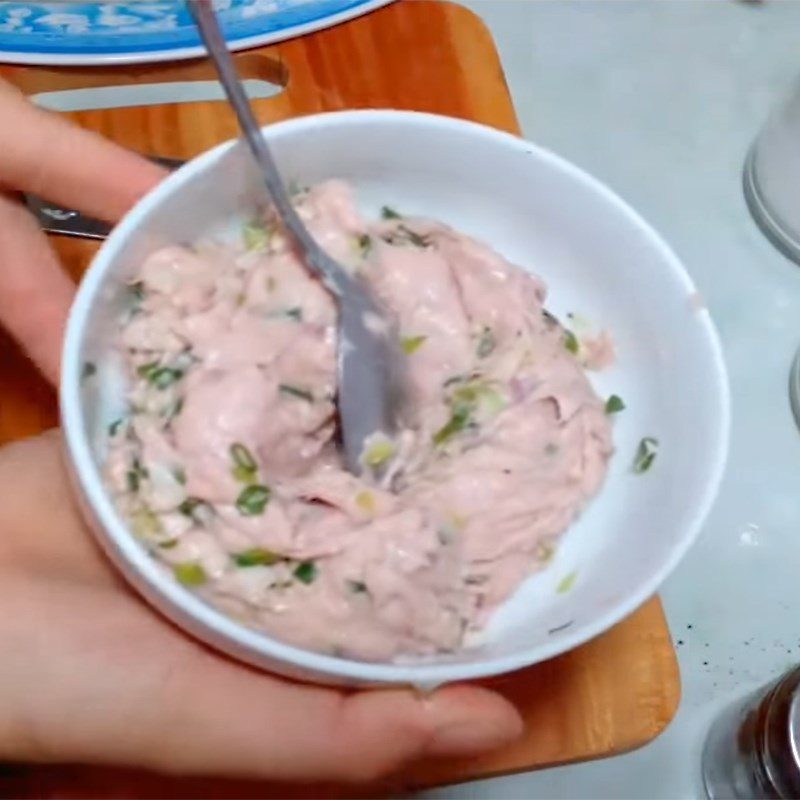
{"type": "Point", "coordinates": [227, 467]}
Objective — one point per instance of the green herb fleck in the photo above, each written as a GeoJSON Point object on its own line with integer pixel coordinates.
{"type": "Point", "coordinates": [158, 376]}
{"type": "Point", "coordinates": [357, 587]}
{"type": "Point", "coordinates": [614, 404]}
{"type": "Point", "coordinates": [486, 343]}
{"type": "Point", "coordinates": [364, 243]}
{"type": "Point", "coordinates": [189, 505]}
{"type": "Point", "coordinates": [417, 239]}
{"type": "Point", "coordinates": [545, 553]}
{"type": "Point", "coordinates": [190, 573]}
{"type": "Point", "coordinates": [168, 544]}
{"type": "Point", "coordinates": [411, 344]}
{"type": "Point", "coordinates": [306, 572]}
{"type": "Point", "coordinates": [566, 583]}
{"type": "Point", "coordinates": [645, 455]}
{"type": "Point", "coordinates": [113, 428]}
{"type": "Point", "coordinates": [244, 465]}
{"type": "Point", "coordinates": [252, 500]}
{"type": "Point", "coordinates": [89, 369]}
{"type": "Point", "coordinates": [256, 235]}
{"type": "Point", "coordinates": [296, 391]}
{"type": "Point", "coordinates": [255, 557]}
{"type": "Point", "coordinates": [459, 420]}
{"type": "Point", "coordinates": [174, 409]}
{"type": "Point", "coordinates": [136, 291]}
{"type": "Point", "coordinates": [378, 453]}
{"type": "Point", "coordinates": [145, 523]}
{"type": "Point", "coordinates": [146, 370]}
{"type": "Point", "coordinates": [179, 474]}
{"type": "Point", "coordinates": [571, 342]}
{"type": "Point", "coordinates": [135, 475]}
{"type": "Point", "coordinates": [404, 235]}
{"type": "Point", "coordinates": [164, 377]}
{"type": "Point", "coordinates": [389, 213]}
{"type": "Point", "coordinates": [295, 313]}
{"type": "Point", "coordinates": [550, 319]}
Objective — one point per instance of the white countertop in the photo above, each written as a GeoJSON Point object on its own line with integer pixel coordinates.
{"type": "Point", "coordinates": [661, 99]}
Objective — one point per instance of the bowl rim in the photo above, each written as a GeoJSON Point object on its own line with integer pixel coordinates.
{"type": "Point", "coordinates": [211, 625]}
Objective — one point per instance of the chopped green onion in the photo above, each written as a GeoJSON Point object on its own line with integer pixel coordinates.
{"type": "Point", "coordinates": [404, 235]}
{"type": "Point", "coordinates": [145, 523]}
{"type": "Point", "coordinates": [256, 235]}
{"type": "Point", "coordinates": [364, 243]}
{"type": "Point", "coordinates": [379, 453]}
{"type": "Point", "coordinates": [411, 344]}
{"type": "Point", "coordinates": [389, 213]}
{"type": "Point", "coordinates": [164, 377]}
{"type": "Point", "coordinates": [614, 404]}
{"type": "Point", "coordinates": [245, 467]}
{"type": "Point", "coordinates": [571, 342]}
{"type": "Point", "coordinates": [133, 481]}
{"type": "Point", "coordinates": [550, 319]}
{"type": "Point", "coordinates": [188, 506]}
{"type": "Point", "coordinates": [158, 376]}
{"type": "Point", "coordinates": [545, 553]}
{"type": "Point", "coordinates": [458, 421]}
{"type": "Point", "coordinates": [146, 370]}
{"type": "Point", "coordinates": [255, 557]}
{"type": "Point", "coordinates": [136, 291]}
{"type": "Point", "coordinates": [365, 500]}
{"type": "Point", "coordinates": [135, 474]}
{"type": "Point", "coordinates": [252, 500]}
{"type": "Point", "coordinates": [566, 583]}
{"type": "Point", "coordinates": [168, 544]}
{"type": "Point", "coordinates": [89, 369]}
{"type": "Point", "coordinates": [357, 587]}
{"type": "Point", "coordinates": [174, 409]}
{"type": "Point", "coordinates": [645, 455]}
{"type": "Point", "coordinates": [190, 573]}
{"type": "Point", "coordinates": [417, 239]}
{"type": "Point", "coordinates": [306, 572]}
{"type": "Point", "coordinates": [179, 473]}
{"type": "Point", "coordinates": [296, 391]}
{"type": "Point", "coordinates": [486, 343]}
{"type": "Point", "coordinates": [295, 313]}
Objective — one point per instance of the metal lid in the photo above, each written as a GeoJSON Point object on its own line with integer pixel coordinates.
{"type": "Point", "coordinates": [780, 736]}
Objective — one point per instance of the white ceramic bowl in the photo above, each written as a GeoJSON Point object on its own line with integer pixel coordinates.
{"type": "Point", "coordinates": [599, 258]}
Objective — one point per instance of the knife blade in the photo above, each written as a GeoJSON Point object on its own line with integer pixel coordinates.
{"type": "Point", "coordinates": [68, 222]}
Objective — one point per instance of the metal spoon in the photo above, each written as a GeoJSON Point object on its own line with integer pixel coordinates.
{"type": "Point", "coordinates": [370, 364]}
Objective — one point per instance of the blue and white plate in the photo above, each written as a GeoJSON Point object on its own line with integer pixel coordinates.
{"type": "Point", "coordinates": [72, 33]}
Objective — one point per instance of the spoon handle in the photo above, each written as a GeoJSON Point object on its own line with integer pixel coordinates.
{"type": "Point", "coordinates": [206, 20]}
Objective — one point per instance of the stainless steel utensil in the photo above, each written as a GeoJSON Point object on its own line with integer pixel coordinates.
{"type": "Point", "coordinates": [68, 222]}
{"type": "Point", "coordinates": [370, 363]}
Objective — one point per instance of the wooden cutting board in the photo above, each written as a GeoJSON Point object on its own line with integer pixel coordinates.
{"type": "Point", "coordinates": [609, 696]}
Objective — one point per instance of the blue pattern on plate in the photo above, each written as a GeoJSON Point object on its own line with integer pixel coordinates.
{"type": "Point", "coordinates": [143, 25]}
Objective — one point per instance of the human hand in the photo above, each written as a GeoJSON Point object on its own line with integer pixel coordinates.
{"type": "Point", "coordinates": [90, 674]}
{"type": "Point", "coordinates": [43, 154]}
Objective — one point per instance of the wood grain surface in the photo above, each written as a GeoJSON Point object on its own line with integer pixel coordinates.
{"type": "Point", "coordinates": [615, 693]}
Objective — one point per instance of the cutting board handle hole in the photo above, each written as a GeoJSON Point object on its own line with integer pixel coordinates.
{"type": "Point", "coordinates": [84, 89]}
